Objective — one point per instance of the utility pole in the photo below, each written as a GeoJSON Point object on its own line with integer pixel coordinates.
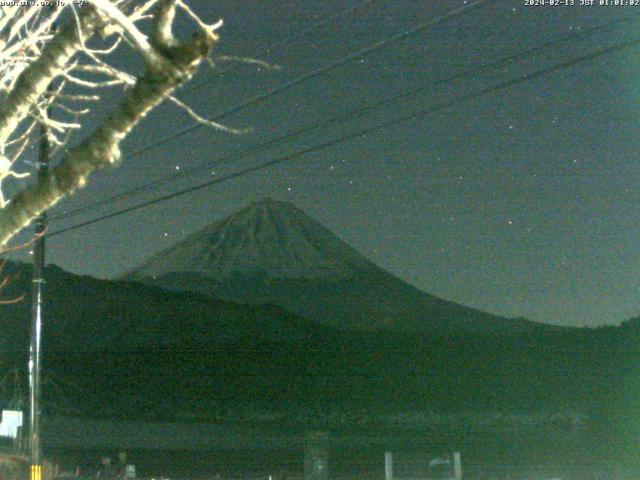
{"type": "Point", "coordinates": [44, 154]}
{"type": "Point", "coordinates": [35, 449]}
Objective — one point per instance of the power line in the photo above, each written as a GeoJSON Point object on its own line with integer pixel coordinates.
{"type": "Point", "coordinates": [362, 132]}
{"type": "Point", "coordinates": [347, 116]}
{"type": "Point", "coordinates": [286, 41]}
{"type": "Point", "coordinates": [318, 72]}
{"type": "Point", "coordinates": [294, 37]}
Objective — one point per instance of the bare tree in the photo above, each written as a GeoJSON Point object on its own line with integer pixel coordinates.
{"type": "Point", "coordinates": [51, 77]}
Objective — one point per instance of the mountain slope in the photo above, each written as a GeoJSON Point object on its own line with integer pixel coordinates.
{"type": "Point", "coordinates": [268, 238]}
{"type": "Point", "coordinates": [272, 252]}
{"type": "Point", "coordinates": [88, 314]}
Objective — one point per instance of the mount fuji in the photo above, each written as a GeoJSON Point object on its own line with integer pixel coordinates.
{"type": "Point", "coordinates": [271, 252]}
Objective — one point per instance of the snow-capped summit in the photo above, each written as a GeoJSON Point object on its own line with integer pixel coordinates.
{"type": "Point", "coordinates": [269, 238]}
{"type": "Point", "coordinates": [273, 253]}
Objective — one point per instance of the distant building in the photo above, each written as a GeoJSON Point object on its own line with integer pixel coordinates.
{"type": "Point", "coordinates": [10, 422]}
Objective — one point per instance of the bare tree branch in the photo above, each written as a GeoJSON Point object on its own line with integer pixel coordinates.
{"type": "Point", "coordinates": [174, 65]}
{"type": "Point", "coordinates": [34, 80]}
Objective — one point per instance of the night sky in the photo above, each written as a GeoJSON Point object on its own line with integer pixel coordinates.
{"type": "Point", "coordinates": [523, 202]}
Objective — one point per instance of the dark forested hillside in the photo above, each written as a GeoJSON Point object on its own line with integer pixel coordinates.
{"type": "Point", "coordinates": [135, 350]}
